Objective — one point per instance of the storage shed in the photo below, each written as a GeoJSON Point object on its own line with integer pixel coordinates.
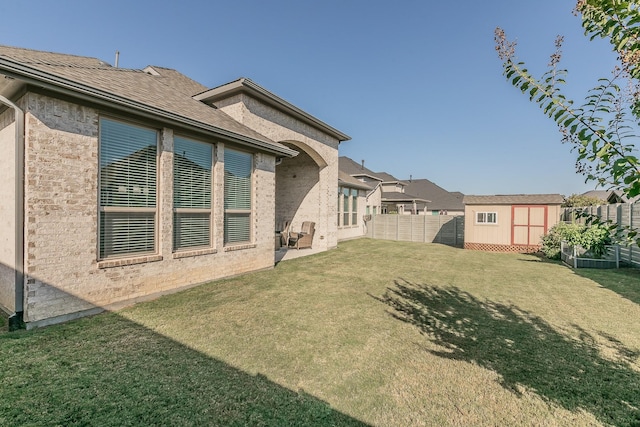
{"type": "Point", "coordinates": [509, 223]}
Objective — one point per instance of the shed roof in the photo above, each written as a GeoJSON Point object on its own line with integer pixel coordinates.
{"type": "Point", "coordinates": [515, 199]}
{"type": "Point", "coordinates": [155, 92]}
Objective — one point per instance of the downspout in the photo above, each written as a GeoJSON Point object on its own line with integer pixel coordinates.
{"type": "Point", "coordinates": [15, 320]}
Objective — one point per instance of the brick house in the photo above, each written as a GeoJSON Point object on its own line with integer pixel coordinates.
{"type": "Point", "coordinates": [119, 185]}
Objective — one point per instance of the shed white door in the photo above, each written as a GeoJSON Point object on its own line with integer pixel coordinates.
{"type": "Point", "coordinates": [529, 224]}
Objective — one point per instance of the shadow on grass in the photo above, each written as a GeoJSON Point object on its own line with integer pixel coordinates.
{"type": "Point", "coordinates": [524, 350]}
{"type": "Point", "coordinates": [107, 370]}
{"type": "Point", "coordinates": [623, 281]}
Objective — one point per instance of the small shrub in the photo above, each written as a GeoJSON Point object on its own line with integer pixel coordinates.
{"type": "Point", "coordinates": [559, 232]}
{"type": "Point", "coordinates": [594, 239]}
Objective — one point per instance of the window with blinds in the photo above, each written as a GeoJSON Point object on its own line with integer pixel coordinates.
{"type": "Point", "coordinates": [354, 205]}
{"type": "Point", "coordinates": [128, 171]}
{"type": "Point", "coordinates": [238, 169]}
{"type": "Point", "coordinates": [345, 210]}
{"type": "Point", "coordinates": [192, 164]}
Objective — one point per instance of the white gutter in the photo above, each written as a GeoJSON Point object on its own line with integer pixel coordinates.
{"type": "Point", "coordinates": [19, 210]}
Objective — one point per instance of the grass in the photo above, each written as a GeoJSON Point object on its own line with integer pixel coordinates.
{"type": "Point", "coordinates": [374, 332]}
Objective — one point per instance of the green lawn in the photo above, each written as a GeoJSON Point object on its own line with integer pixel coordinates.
{"type": "Point", "coordinates": [374, 332]}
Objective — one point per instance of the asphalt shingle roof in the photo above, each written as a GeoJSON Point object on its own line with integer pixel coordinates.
{"type": "Point", "coordinates": [165, 89]}
{"type": "Point", "coordinates": [441, 199]}
{"type": "Point", "coordinates": [515, 199]}
{"type": "Point", "coordinates": [349, 181]}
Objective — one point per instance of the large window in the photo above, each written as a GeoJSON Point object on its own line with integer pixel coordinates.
{"type": "Point", "coordinates": [238, 167]}
{"type": "Point", "coordinates": [347, 206]}
{"type": "Point", "coordinates": [345, 203]}
{"type": "Point", "coordinates": [486, 218]}
{"type": "Point", "coordinates": [127, 211]}
{"type": "Point", "coordinates": [192, 162]}
{"type": "Point", "coordinates": [354, 206]}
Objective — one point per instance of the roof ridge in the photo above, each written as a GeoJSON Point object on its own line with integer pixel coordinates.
{"type": "Point", "coordinates": [49, 52]}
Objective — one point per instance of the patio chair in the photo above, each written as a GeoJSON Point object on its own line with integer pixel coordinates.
{"type": "Point", "coordinates": [304, 238]}
{"type": "Point", "coordinates": [285, 234]}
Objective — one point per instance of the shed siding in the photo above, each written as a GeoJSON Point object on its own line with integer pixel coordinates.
{"type": "Point", "coordinates": [517, 226]}
{"type": "Point", "coordinates": [496, 234]}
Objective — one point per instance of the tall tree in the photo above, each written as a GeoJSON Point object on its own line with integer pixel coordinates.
{"type": "Point", "coordinates": [602, 129]}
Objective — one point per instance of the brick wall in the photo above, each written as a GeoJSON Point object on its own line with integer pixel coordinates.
{"type": "Point", "coordinates": [7, 211]}
{"type": "Point", "coordinates": [63, 274]}
{"type": "Point", "coordinates": [315, 168]}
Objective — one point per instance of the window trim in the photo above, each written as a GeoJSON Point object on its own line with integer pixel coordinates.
{"type": "Point", "coordinates": [210, 210]}
{"type": "Point", "coordinates": [134, 257]}
{"type": "Point", "coordinates": [486, 216]}
{"type": "Point", "coordinates": [250, 212]}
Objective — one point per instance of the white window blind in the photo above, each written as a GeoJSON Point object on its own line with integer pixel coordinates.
{"type": "Point", "coordinates": [238, 168]}
{"type": "Point", "coordinates": [127, 189]}
{"type": "Point", "coordinates": [345, 210]}
{"type": "Point", "coordinates": [192, 163]}
{"type": "Point", "coordinates": [354, 205]}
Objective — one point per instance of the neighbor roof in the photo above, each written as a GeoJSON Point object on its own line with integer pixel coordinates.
{"type": "Point", "coordinates": [349, 181]}
{"type": "Point", "coordinates": [157, 93]}
{"type": "Point", "coordinates": [440, 198]}
{"type": "Point", "coordinates": [396, 196]}
{"type": "Point", "coordinates": [353, 168]}
{"type": "Point", "coordinates": [515, 199]}
{"type": "Point", "coordinates": [598, 194]}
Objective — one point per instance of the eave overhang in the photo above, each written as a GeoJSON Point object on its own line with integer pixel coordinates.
{"type": "Point", "coordinates": [39, 78]}
{"type": "Point", "coordinates": [246, 86]}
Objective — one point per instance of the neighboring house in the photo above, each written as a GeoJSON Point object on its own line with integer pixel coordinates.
{"type": "Point", "coordinates": [352, 205]}
{"type": "Point", "coordinates": [509, 223]}
{"type": "Point", "coordinates": [359, 198]}
{"type": "Point", "coordinates": [393, 198]}
{"type": "Point", "coordinates": [442, 202]}
{"type": "Point", "coordinates": [120, 185]}
{"type": "Point", "coordinates": [598, 194]}
{"type": "Point", "coordinates": [611, 196]}
{"type": "Point", "coordinates": [373, 200]}
{"type": "Point", "coordinates": [616, 197]}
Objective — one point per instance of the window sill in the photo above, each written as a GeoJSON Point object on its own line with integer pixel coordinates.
{"type": "Point", "coordinates": [128, 261]}
{"type": "Point", "coordinates": [195, 252]}
{"type": "Point", "coordinates": [240, 247]}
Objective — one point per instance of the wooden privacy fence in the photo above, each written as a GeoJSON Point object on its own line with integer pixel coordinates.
{"type": "Point", "coordinates": [445, 229]}
{"type": "Point", "coordinates": [624, 214]}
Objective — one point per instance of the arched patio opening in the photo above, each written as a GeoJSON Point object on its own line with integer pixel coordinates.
{"type": "Point", "coordinates": [298, 195]}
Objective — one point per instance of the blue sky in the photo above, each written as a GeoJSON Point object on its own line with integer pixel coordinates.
{"type": "Point", "coordinates": [416, 84]}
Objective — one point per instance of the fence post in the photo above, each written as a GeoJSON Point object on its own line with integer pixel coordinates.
{"type": "Point", "coordinates": [373, 226]}
{"type": "Point", "coordinates": [455, 231]}
{"type": "Point", "coordinates": [631, 228]}
{"type": "Point", "coordinates": [424, 228]}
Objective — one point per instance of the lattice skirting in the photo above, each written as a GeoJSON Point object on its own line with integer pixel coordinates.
{"type": "Point", "coordinates": [490, 247]}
